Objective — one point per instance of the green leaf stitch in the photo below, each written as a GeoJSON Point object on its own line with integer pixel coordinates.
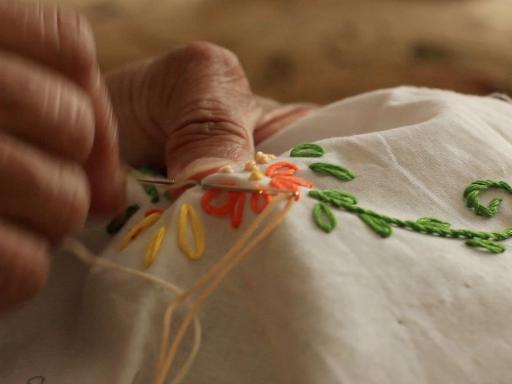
{"type": "Point", "coordinates": [118, 222]}
{"type": "Point", "coordinates": [433, 223]}
{"type": "Point", "coordinates": [332, 197]}
{"type": "Point", "coordinates": [336, 171]}
{"type": "Point", "coordinates": [382, 224]}
{"type": "Point", "coordinates": [151, 190]}
{"type": "Point", "coordinates": [381, 227]}
{"type": "Point", "coordinates": [488, 245]}
{"type": "Point", "coordinates": [307, 150]}
{"type": "Point", "coordinates": [324, 217]}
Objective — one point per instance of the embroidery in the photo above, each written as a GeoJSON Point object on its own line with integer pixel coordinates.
{"type": "Point", "coordinates": [154, 210]}
{"type": "Point", "coordinates": [259, 201]}
{"type": "Point", "coordinates": [119, 222]}
{"type": "Point", "coordinates": [233, 206]}
{"type": "Point", "coordinates": [256, 175]}
{"type": "Point", "coordinates": [377, 224]}
{"type": "Point", "coordinates": [250, 165]}
{"type": "Point", "coordinates": [151, 190]}
{"type": "Point", "coordinates": [281, 168]}
{"type": "Point", "coordinates": [264, 158]}
{"type": "Point", "coordinates": [488, 245]}
{"type": "Point", "coordinates": [138, 228]}
{"type": "Point", "coordinates": [472, 194]}
{"type": "Point", "coordinates": [324, 217]}
{"type": "Point", "coordinates": [307, 150]}
{"type": "Point", "coordinates": [188, 212]}
{"type": "Point", "coordinates": [154, 247]}
{"type": "Point", "coordinates": [382, 224]}
{"type": "Point", "coordinates": [238, 210]}
{"type": "Point", "coordinates": [336, 171]}
{"type": "Point", "coordinates": [282, 176]}
{"type": "Point", "coordinates": [332, 197]}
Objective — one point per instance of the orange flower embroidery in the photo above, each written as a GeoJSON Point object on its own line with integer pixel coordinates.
{"type": "Point", "coordinates": [233, 205]}
{"type": "Point", "coordinates": [282, 176]}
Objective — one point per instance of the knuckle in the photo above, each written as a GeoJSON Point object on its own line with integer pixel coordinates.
{"type": "Point", "coordinates": [225, 136]}
{"type": "Point", "coordinates": [81, 131]}
{"type": "Point", "coordinates": [70, 113]}
{"type": "Point", "coordinates": [74, 37]}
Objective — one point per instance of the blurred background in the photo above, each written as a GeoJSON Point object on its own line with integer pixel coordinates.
{"type": "Point", "coordinates": [322, 50]}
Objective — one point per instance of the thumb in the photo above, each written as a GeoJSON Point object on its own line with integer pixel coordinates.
{"type": "Point", "coordinates": [192, 110]}
{"type": "Point", "coordinates": [211, 119]}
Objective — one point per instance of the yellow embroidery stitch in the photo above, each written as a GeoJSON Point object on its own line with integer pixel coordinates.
{"type": "Point", "coordinates": [186, 212]}
{"type": "Point", "coordinates": [138, 228]}
{"type": "Point", "coordinates": [154, 247]}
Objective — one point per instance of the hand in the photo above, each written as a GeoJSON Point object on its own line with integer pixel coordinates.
{"type": "Point", "coordinates": [193, 111]}
{"type": "Point", "coordinates": [58, 150]}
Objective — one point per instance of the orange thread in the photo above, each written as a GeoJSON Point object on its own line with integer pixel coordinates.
{"type": "Point", "coordinates": [237, 212]}
{"type": "Point", "coordinates": [219, 210]}
{"type": "Point", "coordinates": [233, 206]}
{"type": "Point", "coordinates": [289, 182]}
{"type": "Point", "coordinates": [256, 197]}
{"type": "Point", "coordinates": [281, 168]}
{"type": "Point", "coordinates": [154, 210]}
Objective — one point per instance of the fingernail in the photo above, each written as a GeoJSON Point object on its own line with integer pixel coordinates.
{"type": "Point", "coordinates": [201, 168]}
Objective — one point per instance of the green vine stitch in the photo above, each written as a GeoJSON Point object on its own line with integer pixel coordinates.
{"type": "Point", "coordinates": [383, 225]}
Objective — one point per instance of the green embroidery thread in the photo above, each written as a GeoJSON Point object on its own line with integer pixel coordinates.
{"type": "Point", "coordinates": [433, 223]}
{"type": "Point", "coordinates": [382, 224]}
{"type": "Point", "coordinates": [332, 197]}
{"type": "Point", "coordinates": [151, 190]}
{"type": "Point", "coordinates": [307, 150]}
{"type": "Point", "coordinates": [377, 224]}
{"type": "Point", "coordinates": [118, 222]}
{"type": "Point", "coordinates": [324, 217]}
{"type": "Point", "coordinates": [488, 245]}
{"type": "Point", "coordinates": [336, 171]}
{"type": "Point", "coordinates": [472, 193]}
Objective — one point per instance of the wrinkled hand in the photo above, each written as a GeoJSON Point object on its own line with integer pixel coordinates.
{"type": "Point", "coordinates": [58, 140]}
{"type": "Point", "coordinates": [193, 111]}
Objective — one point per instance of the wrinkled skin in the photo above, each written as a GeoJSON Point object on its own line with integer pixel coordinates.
{"type": "Point", "coordinates": [191, 110]}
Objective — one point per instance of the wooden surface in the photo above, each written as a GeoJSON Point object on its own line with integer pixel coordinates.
{"type": "Point", "coordinates": [322, 50]}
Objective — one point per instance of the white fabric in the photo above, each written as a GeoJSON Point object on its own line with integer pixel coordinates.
{"type": "Point", "coordinates": [308, 307]}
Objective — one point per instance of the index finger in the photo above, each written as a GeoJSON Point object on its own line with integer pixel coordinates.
{"type": "Point", "coordinates": [60, 39]}
{"type": "Point", "coordinates": [63, 41]}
